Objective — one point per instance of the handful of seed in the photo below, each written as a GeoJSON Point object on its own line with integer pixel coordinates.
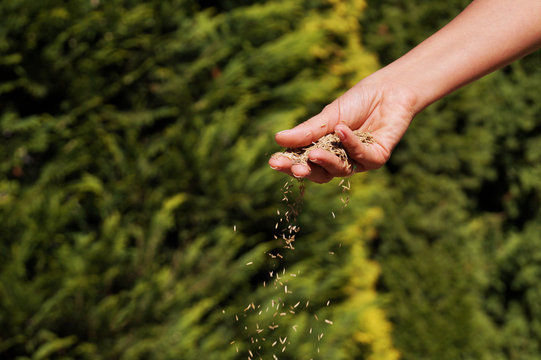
{"type": "Point", "coordinates": [329, 142]}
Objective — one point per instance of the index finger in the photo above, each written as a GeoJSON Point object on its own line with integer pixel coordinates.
{"type": "Point", "coordinates": [312, 129]}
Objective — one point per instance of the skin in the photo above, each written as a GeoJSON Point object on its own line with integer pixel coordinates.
{"type": "Point", "coordinates": [486, 36]}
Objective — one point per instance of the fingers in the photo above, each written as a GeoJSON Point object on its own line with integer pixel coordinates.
{"type": "Point", "coordinates": [312, 129]}
{"type": "Point", "coordinates": [309, 171]}
{"type": "Point", "coordinates": [367, 156]}
{"type": "Point", "coordinates": [330, 163]}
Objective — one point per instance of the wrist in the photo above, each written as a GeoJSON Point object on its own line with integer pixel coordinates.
{"type": "Point", "coordinates": [391, 82]}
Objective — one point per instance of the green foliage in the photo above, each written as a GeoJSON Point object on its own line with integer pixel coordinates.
{"type": "Point", "coordinates": [135, 137]}
{"type": "Point", "coordinates": [459, 240]}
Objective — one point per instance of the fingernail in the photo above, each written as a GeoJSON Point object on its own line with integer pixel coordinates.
{"type": "Point", "coordinates": [282, 132]}
{"type": "Point", "coordinates": [316, 161]}
{"type": "Point", "coordinates": [274, 167]}
{"type": "Point", "coordinates": [340, 134]}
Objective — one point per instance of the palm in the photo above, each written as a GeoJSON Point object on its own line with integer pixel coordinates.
{"type": "Point", "coordinates": [386, 113]}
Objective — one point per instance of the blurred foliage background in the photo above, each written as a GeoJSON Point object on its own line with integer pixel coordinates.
{"type": "Point", "coordinates": [134, 189]}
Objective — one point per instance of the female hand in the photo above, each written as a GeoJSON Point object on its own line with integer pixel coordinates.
{"type": "Point", "coordinates": [382, 108]}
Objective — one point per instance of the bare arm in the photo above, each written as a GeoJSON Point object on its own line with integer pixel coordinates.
{"type": "Point", "coordinates": [486, 36]}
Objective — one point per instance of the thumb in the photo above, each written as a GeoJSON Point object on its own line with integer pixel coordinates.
{"type": "Point", "coordinates": [312, 129]}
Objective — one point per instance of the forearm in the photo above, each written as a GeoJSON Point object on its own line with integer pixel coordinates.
{"type": "Point", "coordinates": [486, 36]}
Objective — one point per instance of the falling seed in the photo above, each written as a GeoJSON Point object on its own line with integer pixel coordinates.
{"type": "Point", "coordinates": [274, 343]}
{"type": "Point", "coordinates": [285, 289]}
{"type": "Point", "coordinates": [249, 263]}
{"type": "Point", "coordinates": [328, 302]}
{"type": "Point", "coordinates": [328, 322]}
{"type": "Point", "coordinates": [250, 351]}
{"type": "Point", "coordinates": [235, 228]}
{"type": "Point", "coordinates": [307, 302]}
{"type": "Point", "coordinates": [236, 317]}
{"type": "Point", "coordinates": [232, 342]}
{"type": "Point", "coordinates": [341, 182]}
{"type": "Point", "coordinates": [316, 317]}
{"type": "Point", "coordinates": [331, 252]}
{"type": "Point", "coordinates": [334, 216]}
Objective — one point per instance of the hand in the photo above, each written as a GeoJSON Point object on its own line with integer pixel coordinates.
{"type": "Point", "coordinates": [382, 108]}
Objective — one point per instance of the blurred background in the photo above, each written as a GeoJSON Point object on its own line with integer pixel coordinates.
{"type": "Point", "coordinates": [134, 189]}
